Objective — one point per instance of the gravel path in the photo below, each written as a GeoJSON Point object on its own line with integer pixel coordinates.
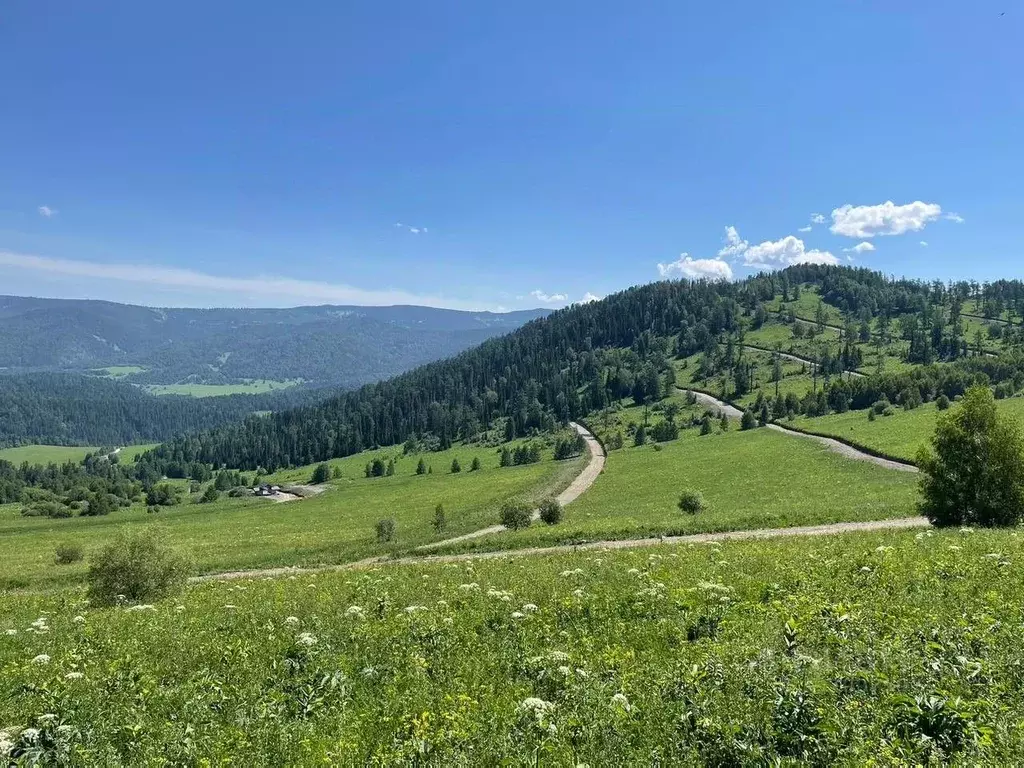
{"type": "Point", "coordinates": [833, 445]}
{"type": "Point", "coordinates": [830, 529]}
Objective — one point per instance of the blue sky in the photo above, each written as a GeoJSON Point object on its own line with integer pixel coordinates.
{"type": "Point", "coordinates": [534, 153]}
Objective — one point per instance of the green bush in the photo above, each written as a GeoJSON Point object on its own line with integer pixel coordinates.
{"type": "Point", "coordinates": [136, 567]}
{"type": "Point", "coordinates": [515, 516]}
{"type": "Point", "coordinates": [440, 521]}
{"type": "Point", "coordinates": [551, 511]}
{"type": "Point", "coordinates": [749, 421]}
{"type": "Point", "coordinates": [386, 530]}
{"type": "Point", "coordinates": [67, 553]}
{"type": "Point", "coordinates": [321, 474]}
{"type": "Point", "coordinates": [942, 402]}
{"type": "Point", "coordinates": [973, 474]}
{"type": "Point", "coordinates": [456, 467]}
{"type": "Point", "coordinates": [210, 494]}
{"type": "Point", "coordinates": [691, 502]}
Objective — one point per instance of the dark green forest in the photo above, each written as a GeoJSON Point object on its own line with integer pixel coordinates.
{"type": "Point", "coordinates": [579, 359]}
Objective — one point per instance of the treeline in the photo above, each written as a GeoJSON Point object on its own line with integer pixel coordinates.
{"type": "Point", "coordinates": [71, 409]}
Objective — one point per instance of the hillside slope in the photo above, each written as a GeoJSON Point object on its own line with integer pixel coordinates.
{"type": "Point", "coordinates": [339, 345]}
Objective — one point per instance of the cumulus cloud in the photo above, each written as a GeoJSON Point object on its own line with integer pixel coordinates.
{"type": "Point", "coordinates": [884, 219]}
{"type": "Point", "coordinates": [817, 218]}
{"type": "Point", "coordinates": [413, 230]}
{"type": "Point", "coordinates": [696, 269]}
{"type": "Point", "coordinates": [589, 297]}
{"type": "Point", "coordinates": [956, 218]}
{"type": "Point", "coordinates": [549, 298]}
{"type": "Point", "coordinates": [808, 228]}
{"type": "Point", "coordinates": [785, 252]}
{"type": "Point", "coordinates": [263, 285]}
{"type": "Point", "coordinates": [862, 247]}
{"type": "Point", "coordinates": [734, 245]}
{"type": "Point", "coordinates": [47, 212]}
{"type": "Point", "coordinates": [924, 243]}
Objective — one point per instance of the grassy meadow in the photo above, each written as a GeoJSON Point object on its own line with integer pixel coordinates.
{"type": "Point", "coordinates": [334, 526]}
{"type": "Point", "coordinates": [45, 454]}
{"type": "Point", "coordinates": [865, 649]}
{"type": "Point", "coordinates": [899, 435]}
{"type": "Point", "coordinates": [253, 387]}
{"type": "Point", "coordinates": [119, 371]}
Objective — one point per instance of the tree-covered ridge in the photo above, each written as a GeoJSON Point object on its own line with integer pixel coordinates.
{"type": "Point", "coordinates": [71, 409]}
{"type": "Point", "coordinates": [338, 345]}
{"type": "Point", "coordinates": [581, 358]}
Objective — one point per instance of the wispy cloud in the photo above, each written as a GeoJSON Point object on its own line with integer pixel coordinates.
{"type": "Point", "coordinates": [863, 247]}
{"type": "Point", "coordinates": [808, 228]}
{"type": "Point", "coordinates": [186, 279]}
{"type": "Point", "coordinates": [924, 243]}
{"type": "Point", "coordinates": [47, 212]}
{"type": "Point", "coordinates": [549, 298]}
{"type": "Point", "coordinates": [956, 218]}
{"type": "Point", "coordinates": [413, 230]}
{"type": "Point", "coordinates": [817, 218]}
{"type": "Point", "coordinates": [734, 244]}
{"type": "Point", "coordinates": [589, 297]}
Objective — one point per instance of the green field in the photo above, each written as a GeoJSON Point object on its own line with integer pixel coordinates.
{"type": "Point", "coordinates": [899, 435]}
{"type": "Point", "coordinates": [253, 387]}
{"type": "Point", "coordinates": [45, 454]}
{"type": "Point", "coordinates": [866, 649]}
{"type": "Point", "coordinates": [119, 371]}
{"type": "Point", "coordinates": [130, 452]}
{"type": "Point", "coordinates": [336, 526]}
{"type": "Point", "coordinates": [755, 479]}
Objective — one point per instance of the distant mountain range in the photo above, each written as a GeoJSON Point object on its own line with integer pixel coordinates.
{"type": "Point", "coordinates": [323, 345]}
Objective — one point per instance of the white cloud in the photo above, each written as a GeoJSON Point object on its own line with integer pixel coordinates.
{"type": "Point", "coordinates": [734, 246]}
{"type": "Point", "coordinates": [956, 218]}
{"type": "Point", "coordinates": [863, 247]}
{"type": "Point", "coordinates": [47, 212]}
{"type": "Point", "coordinates": [808, 228]}
{"type": "Point", "coordinates": [269, 285]}
{"type": "Point", "coordinates": [413, 230]}
{"type": "Point", "coordinates": [589, 297]}
{"type": "Point", "coordinates": [696, 269]}
{"type": "Point", "coordinates": [817, 218]}
{"type": "Point", "coordinates": [884, 219]}
{"type": "Point", "coordinates": [924, 243]}
{"type": "Point", "coordinates": [546, 298]}
{"type": "Point", "coordinates": [785, 252]}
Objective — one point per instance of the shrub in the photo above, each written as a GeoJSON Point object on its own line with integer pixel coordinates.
{"type": "Point", "coordinates": [67, 553]}
{"type": "Point", "coordinates": [881, 406]}
{"type": "Point", "coordinates": [942, 403]}
{"type": "Point", "coordinates": [321, 474]}
{"type": "Point", "coordinates": [974, 472]}
{"type": "Point", "coordinates": [386, 530]}
{"type": "Point", "coordinates": [749, 421]}
{"type": "Point", "coordinates": [456, 467]}
{"type": "Point", "coordinates": [705, 425]}
{"type": "Point", "coordinates": [551, 511]}
{"type": "Point", "coordinates": [640, 438]}
{"type": "Point", "coordinates": [871, 414]}
{"type": "Point", "coordinates": [421, 467]}
{"type": "Point", "coordinates": [440, 521]}
{"type": "Point", "coordinates": [515, 516]}
{"type": "Point", "coordinates": [336, 473]}
{"type": "Point", "coordinates": [475, 466]}
{"type": "Point", "coordinates": [210, 494]}
{"type": "Point", "coordinates": [136, 567]}
{"type": "Point", "coordinates": [692, 502]}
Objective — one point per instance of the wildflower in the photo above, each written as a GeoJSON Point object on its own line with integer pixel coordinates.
{"type": "Point", "coordinates": [41, 659]}
{"type": "Point", "coordinates": [311, 586]}
{"type": "Point", "coordinates": [12, 632]}
{"type": "Point", "coordinates": [141, 608]}
{"type": "Point", "coordinates": [578, 593]}
{"type": "Point", "coordinates": [502, 595]}
{"type": "Point", "coordinates": [230, 607]}
{"type": "Point", "coordinates": [79, 620]}
{"type": "Point", "coordinates": [442, 603]}
{"type": "Point", "coordinates": [307, 639]}
{"type": "Point", "coordinates": [865, 569]}
{"type": "Point", "coordinates": [39, 625]}
{"type": "Point", "coordinates": [558, 655]}
{"type": "Point", "coordinates": [535, 706]}
{"type": "Point", "coordinates": [619, 699]}
{"type": "Point", "coordinates": [292, 621]}
{"type": "Point", "coordinates": [564, 671]}
{"type": "Point", "coordinates": [74, 676]}
{"type": "Point", "coordinates": [581, 673]}
{"type": "Point", "coordinates": [530, 608]}
{"type": "Point", "coordinates": [415, 609]}
{"type": "Point", "coordinates": [633, 571]}
{"type": "Point", "coordinates": [518, 615]}
{"type": "Point", "coordinates": [179, 608]}
{"type": "Point", "coordinates": [369, 671]}
{"type": "Point", "coordinates": [354, 611]}
{"type": "Point", "coordinates": [6, 745]}
{"type": "Point", "coordinates": [574, 572]}
{"type": "Point", "coordinates": [469, 587]}
{"type": "Point", "coordinates": [30, 735]}
{"type": "Point", "coordinates": [954, 548]}
{"type": "Point", "coordinates": [48, 718]}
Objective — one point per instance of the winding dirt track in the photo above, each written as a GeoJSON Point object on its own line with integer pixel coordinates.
{"type": "Point", "coordinates": [841, 448]}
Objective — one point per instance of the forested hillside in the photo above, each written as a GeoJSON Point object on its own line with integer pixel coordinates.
{"type": "Point", "coordinates": [579, 359]}
{"type": "Point", "coordinates": [338, 345]}
{"type": "Point", "coordinates": [70, 409]}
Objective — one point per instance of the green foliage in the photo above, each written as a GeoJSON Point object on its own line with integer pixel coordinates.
{"type": "Point", "coordinates": [942, 402]}
{"type": "Point", "coordinates": [68, 553]}
{"type": "Point", "coordinates": [748, 421]}
{"type": "Point", "coordinates": [550, 511]}
{"type": "Point", "coordinates": [321, 474]}
{"type": "Point", "coordinates": [475, 466]}
{"type": "Point", "coordinates": [135, 567]}
{"type": "Point", "coordinates": [163, 495]}
{"type": "Point", "coordinates": [421, 467]}
{"type": "Point", "coordinates": [211, 494]}
{"type": "Point", "coordinates": [640, 438]}
{"type": "Point", "coordinates": [515, 516]}
{"type": "Point", "coordinates": [691, 502]}
{"type": "Point", "coordinates": [706, 427]}
{"type": "Point", "coordinates": [440, 520]}
{"type": "Point", "coordinates": [386, 530]}
{"type": "Point", "coordinates": [456, 467]}
{"type": "Point", "coordinates": [569, 447]}
{"type": "Point", "coordinates": [974, 472]}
